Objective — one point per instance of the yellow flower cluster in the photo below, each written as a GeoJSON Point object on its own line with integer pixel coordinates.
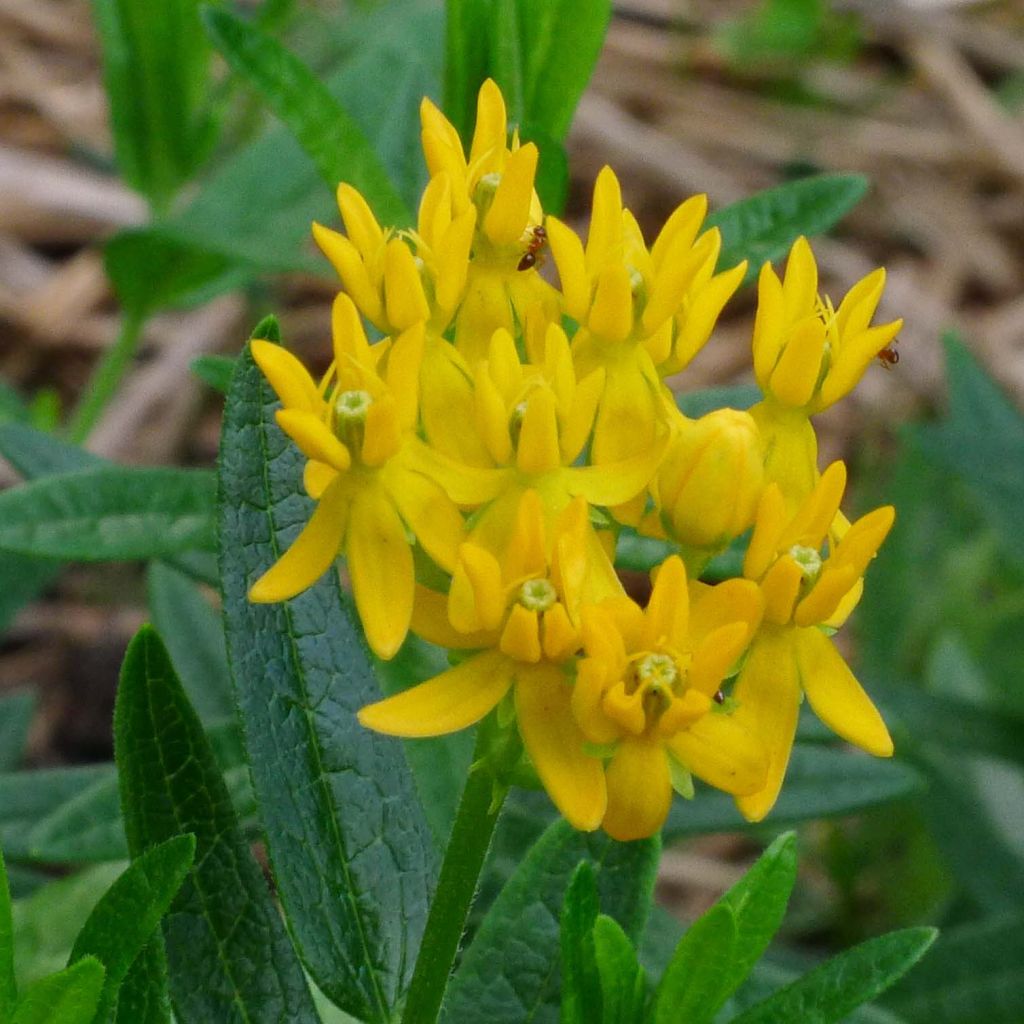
{"type": "Point", "coordinates": [476, 466]}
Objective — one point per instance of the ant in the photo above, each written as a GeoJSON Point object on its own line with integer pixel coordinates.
{"type": "Point", "coordinates": [538, 238]}
{"type": "Point", "coordinates": [889, 357]}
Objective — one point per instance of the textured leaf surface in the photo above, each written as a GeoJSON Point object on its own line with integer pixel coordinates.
{"type": "Point", "coordinates": [352, 855]}
{"type": "Point", "coordinates": [829, 992]}
{"type": "Point", "coordinates": [334, 141]}
{"type": "Point", "coordinates": [581, 985]}
{"type": "Point", "coordinates": [764, 226]}
{"type": "Point", "coordinates": [144, 997]}
{"type": "Point", "coordinates": [109, 513]}
{"type": "Point", "coordinates": [622, 978]}
{"type": "Point", "coordinates": [510, 972]}
{"type": "Point", "coordinates": [230, 958]}
{"type": "Point", "coordinates": [821, 782]}
{"type": "Point", "coordinates": [70, 997]}
{"type": "Point", "coordinates": [123, 921]}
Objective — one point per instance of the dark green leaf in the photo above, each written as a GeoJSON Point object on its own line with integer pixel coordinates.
{"type": "Point", "coordinates": [505, 58]}
{"type": "Point", "coordinates": [229, 955]}
{"type": "Point", "coordinates": [510, 972]}
{"type": "Point", "coordinates": [758, 902]}
{"type": "Point", "coordinates": [560, 42]}
{"type": "Point", "coordinates": [764, 226]}
{"type": "Point", "coordinates": [124, 920]}
{"type": "Point", "coordinates": [974, 975]}
{"type": "Point", "coordinates": [144, 997]}
{"type": "Point", "coordinates": [581, 985]}
{"type": "Point", "coordinates": [821, 782]}
{"type": "Point", "coordinates": [982, 442]}
{"type": "Point", "coordinates": [109, 513]}
{"type": "Point", "coordinates": [698, 978]}
{"type": "Point", "coordinates": [829, 992]}
{"type": "Point", "coordinates": [16, 711]}
{"type": "Point", "coordinates": [69, 997]}
{"type": "Point", "coordinates": [214, 371]}
{"type": "Point", "coordinates": [156, 73]}
{"type": "Point", "coordinates": [334, 141]}
{"type": "Point", "coordinates": [623, 988]}
{"type": "Point", "coordinates": [8, 988]}
{"type": "Point", "coordinates": [195, 638]}
{"type": "Point", "coordinates": [466, 60]}
{"type": "Point", "coordinates": [337, 801]}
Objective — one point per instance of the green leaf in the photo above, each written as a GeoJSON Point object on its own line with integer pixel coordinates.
{"type": "Point", "coordinates": [229, 955]}
{"type": "Point", "coordinates": [156, 74]}
{"type": "Point", "coordinates": [214, 371]}
{"type": "Point", "coordinates": [8, 987]}
{"type": "Point", "coordinates": [505, 982]}
{"type": "Point", "coordinates": [764, 226]}
{"type": "Point", "coordinates": [581, 985]}
{"type": "Point", "coordinates": [623, 987]}
{"type": "Point", "coordinates": [698, 978]}
{"type": "Point", "coordinates": [16, 711]}
{"type": "Point", "coordinates": [736, 396]}
{"type": "Point", "coordinates": [195, 639]}
{"type": "Point", "coordinates": [467, 40]}
{"type": "Point", "coordinates": [70, 997]}
{"type": "Point", "coordinates": [337, 801]}
{"type": "Point", "coordinates": [144, 997]}
{"type": "Point", "coordinates": [821, 782]}
{"type": "Point", "coordinates": [334, 141]}
{"type": "Point", "coordinates": [126, 916]}
{"type": "Point", "coordinates": [505, 58]}
{"type": "Point", "coordinates": [982, 442]}
{"type": "Point", "coordinates": [974, 975]}
{"type": "Point", "coordinates": [109, 513]}
{"type": "Point", "coordinates": [831, 991]}
{"type": "Point", "coordinates": [560, 44]}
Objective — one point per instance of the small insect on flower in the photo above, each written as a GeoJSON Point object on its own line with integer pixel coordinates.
{"type": "Point", "coordinates": [537, 241]}
{"type": "Point", "coordinates": [889, 356]}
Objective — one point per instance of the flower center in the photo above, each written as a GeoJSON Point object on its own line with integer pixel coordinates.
{"type": "Point", "coordinates": [657, 671]}
{"type": "Point", "coordinates": [350, 411]}
{"type": "Point", "coordinates": [537, 595]}
{"type": "Point", "coordinates": [809, 560]}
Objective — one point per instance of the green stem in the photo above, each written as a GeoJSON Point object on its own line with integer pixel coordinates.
{"type": "Point", "coordinates": [463, 859]}
{"type": "Point", "coordinates": [105, 378]}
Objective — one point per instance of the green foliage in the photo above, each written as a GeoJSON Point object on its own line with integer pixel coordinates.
{"type": "Point", "coordinates": [109, 512]}
{"type": "Point", "coordinates": [124, 920]}
{"type": "Point", "coordinates": [156, 72]}
{"type": "Point", "coordinates": [226, 945]}
{"type": "Point", "coordinates": [8, 987]}
{"type": "Point", "coordinates": [763, 227]}
{"type": "Point", "coordinates": [215, 371]}
{"type": "Point", "coordinates": [581, 986]}
{"type": "Point", "coordinates": [334, 141]}
{"type": "Point", "coordinates": [16, 711]}
{"type": "Point", "coordinates": [623, 989]}
{"type": "Point", "coordinates": [68, 997]}
{"type": "Point", "coordinates": [144, 997]}
{"type": "Point", "coordinates": [506, 971]}
{"type": "Point", "coordinates": [301, 671]}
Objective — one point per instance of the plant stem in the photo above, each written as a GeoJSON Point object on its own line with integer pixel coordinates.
{"type": "Point", "coordinates": [463, 860]}
{"type": "Point", "coordinates": [106, 378]}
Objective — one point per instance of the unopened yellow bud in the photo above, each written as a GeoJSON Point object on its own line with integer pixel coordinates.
{"type": "Point", "coordinates": [712, 478]}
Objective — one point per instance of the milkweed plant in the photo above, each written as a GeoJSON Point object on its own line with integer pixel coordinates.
{"type": "Point", "coordinates": [456, 508]}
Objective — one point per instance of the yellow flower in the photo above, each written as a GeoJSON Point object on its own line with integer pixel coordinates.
{"type": "Point", "coordinates": [522, 614]}
{"type": "Point", "coordinates": [648, 685]}
{"type": "Point", "coordinates": [708, 486]}
{"type": "Point", "coordinates": [496, 179]}
{"type": "Point", "coordinates": [807, 356]}
{"type": "Point", "coordinates": [642, 314]}
{"type": "Point", "coordinates": [356, 429]}
{"type": "Point", "coordinates": [805, 590]}
{"type": "Point", "coordinates": [533, 421]}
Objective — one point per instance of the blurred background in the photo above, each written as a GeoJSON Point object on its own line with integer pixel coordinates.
{"type": "Point", "coordinates": [924, 97]}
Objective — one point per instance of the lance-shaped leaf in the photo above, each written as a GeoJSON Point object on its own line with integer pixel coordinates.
{"type": "Point", "coordinates": [69, 997]}
{"type": "Point", "coordinates": [510, 971]}
{"type": "Point", "coordinates": [623, 988]}
{"type": "Point", "coordinates": [8, 989]}
{"type": "Point", "coordinates": [144, 997]}
{"type": "Point", "coordinates": [128, 913]}
{"type": "Point", "coordinates": [351, 852]}
{"type": "Point", "coordinates": [581, 984]}
{"type": "Point", "coordinates": [230, 958]}
{"type": "Point", "coordinates": [109, 513]}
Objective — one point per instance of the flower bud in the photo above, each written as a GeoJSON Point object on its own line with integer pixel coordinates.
{"type": "Point", "coordinates": [711, 479]}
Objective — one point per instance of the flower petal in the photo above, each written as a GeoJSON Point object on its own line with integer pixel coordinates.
{"type": "Point", "coordinates": [639, 790]}
{"type": "Point", "coordinates": [381, 566]}
{"type": "Point", "coordinates": [720, 751]}
{"type": "Point", "coordinates": [451, 701]}
{"type": "Point", "coordinates": [836, 696]}
{"type": "Point", "coordinates": [287, 376]}
{"type": "Point", "coordinates": [573, 779]}
{"type": "Point", "coordinates": [312, 553]}
{"type": "Point", "coordinates": [429, 513]}
{"type": "Point", "coordinates": [768, 703]}
{"type": "Point", "coordinates": [313, 438]}
{"type": "Point", "coordinates": [430, 621]}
